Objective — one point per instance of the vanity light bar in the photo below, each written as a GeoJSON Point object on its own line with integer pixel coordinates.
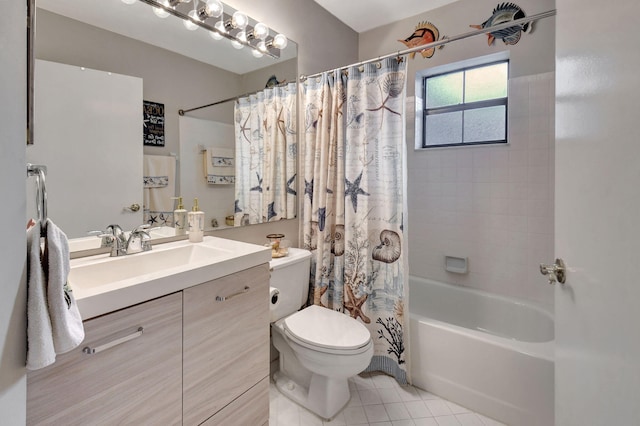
{"type": "Point", "coordinates": [267, 47]}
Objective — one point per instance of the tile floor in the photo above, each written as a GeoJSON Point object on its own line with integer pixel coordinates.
{"type": "Point", "coordinates": [377, 399]}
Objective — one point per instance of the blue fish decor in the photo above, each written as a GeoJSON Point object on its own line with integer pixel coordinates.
{"type": "Point", "coordinates": [273, 82]}
{"type": "Point", "coordinates": [505, 12]}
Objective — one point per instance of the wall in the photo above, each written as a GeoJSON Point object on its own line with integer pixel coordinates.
{"type": "Point", "coordinates": [12, 190]}
{"type": "Point", "coordinates": [492, 204]}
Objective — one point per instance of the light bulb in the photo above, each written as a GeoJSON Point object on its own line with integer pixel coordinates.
{"type": "Point", "coordinates": [280, 41]}
{"type": "Point", "coordinates": [260, 31]}
{"type": "Point", "coordinates": [129, 1]}
{"type": "Point", "coordinates": [239, 20]}
{"type": "Point", "coordinates": [241, 37]}
{"type": "Point", "coordinates": [220, 27]}
{"type": "Point", "coordinates": [256, 53]}
{"type": "Point", "coordinates": [189, 24]}
{"type": "Point", "coordinates": [161, 13]}
{"type": "Point", "coordinates": [214, 8]}
{"type": "Point", "coordinates": [262, 47]}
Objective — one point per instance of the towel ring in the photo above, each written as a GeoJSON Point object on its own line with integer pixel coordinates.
{"type": "Point", "coordinates": [40, 171]}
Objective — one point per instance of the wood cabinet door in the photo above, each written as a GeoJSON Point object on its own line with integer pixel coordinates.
{"type": "Point", "coordinates": [251, 408]}
{"type": "Point", "coordinates": [226, 341]}
{"type": "Point", "coordinates": [137, 381]}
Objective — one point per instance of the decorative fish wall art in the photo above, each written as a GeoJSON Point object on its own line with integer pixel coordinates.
{"type": "Point", "coordinates": [424, 33]}
{"type": "Point", "coordinates": [505, 12]}
{"type": "Point", "coordinates": [273, 82]}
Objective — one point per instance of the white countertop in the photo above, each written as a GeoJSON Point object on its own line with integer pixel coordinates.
{"type": "Point", "coordinates": [103, 284]}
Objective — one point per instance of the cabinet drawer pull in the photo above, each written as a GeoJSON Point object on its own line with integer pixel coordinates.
{"type": "Point", "coordinates": [223, 298]}
{"type": "Point", "coordinates": [90, 351]}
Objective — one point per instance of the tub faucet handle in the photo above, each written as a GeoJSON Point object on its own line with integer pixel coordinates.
{"type": "Point", "coordinates": [554, 272]}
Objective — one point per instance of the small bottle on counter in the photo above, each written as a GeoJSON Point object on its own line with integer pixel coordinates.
{"type": "Point", "coordinates": [180, 218]}
{"type": "Point", "coordinates": [196, 223]}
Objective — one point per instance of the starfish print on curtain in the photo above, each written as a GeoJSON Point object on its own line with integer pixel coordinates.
{"type": "Point", "coordinates": [352, 220]}
{"type": "Point", "coordinates": [353, 190]}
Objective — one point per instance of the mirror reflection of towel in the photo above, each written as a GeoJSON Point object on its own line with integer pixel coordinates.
{"type": "Point", "coordinates": [219, 166]}
{"type": "Point", "coordinates": [159, 178]}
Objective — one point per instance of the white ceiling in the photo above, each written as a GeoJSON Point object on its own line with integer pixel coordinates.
{"type": "Point", "coordinates": [138, 21]}
{"type": "Point", "coordinates": [364, 15]}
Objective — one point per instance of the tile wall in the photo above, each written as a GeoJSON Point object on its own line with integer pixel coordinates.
{"type": "Point", "coordinates": [492, 204]}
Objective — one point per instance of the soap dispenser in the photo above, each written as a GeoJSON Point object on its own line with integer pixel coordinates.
{"type": "Point", "coordinates": [196, 223]}
{"type": "Point", "coordinates": [180, 218]}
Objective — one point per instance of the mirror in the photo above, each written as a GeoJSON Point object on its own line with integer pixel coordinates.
{"type": "Point", "coordinates": [174, 68]}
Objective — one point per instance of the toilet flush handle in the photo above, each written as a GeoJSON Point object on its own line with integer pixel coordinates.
{"type": "Point", "coordinates": [225, 298]}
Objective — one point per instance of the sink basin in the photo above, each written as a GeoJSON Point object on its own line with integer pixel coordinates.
{"type": "Point", "coordinates": [111, 270]}
{"type": "Point", "coordinates": [103, 284]}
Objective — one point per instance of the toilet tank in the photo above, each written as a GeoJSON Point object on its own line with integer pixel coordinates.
{"type": "Point", "coordinates": [290, 275]}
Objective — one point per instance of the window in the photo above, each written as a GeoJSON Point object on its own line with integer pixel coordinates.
{"type": "Point", "coordinates": [463, 106]}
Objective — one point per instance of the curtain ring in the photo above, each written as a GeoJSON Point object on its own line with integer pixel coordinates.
{"type": "Point", "coordinates": [378, 65]}
{"type": "Point", "coordinates": [361, 68]}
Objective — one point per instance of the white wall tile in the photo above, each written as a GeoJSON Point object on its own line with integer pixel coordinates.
{"type": "Point", "coordinates": [518, 157]}
{"type": "Point", "coordinates": [464, 158]}
{"type": "Point", "coordinates": [490, 203]}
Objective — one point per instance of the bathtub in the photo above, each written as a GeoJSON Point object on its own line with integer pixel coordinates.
{"type": "Point", "coordinates": [488, 353]}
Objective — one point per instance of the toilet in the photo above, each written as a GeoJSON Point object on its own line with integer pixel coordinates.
{"type": "Point", "coordinates": [320, 349]}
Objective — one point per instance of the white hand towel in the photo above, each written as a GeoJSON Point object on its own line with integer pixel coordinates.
{"type": "Point", "coordinates": [66, 323]}
{"type": "Point", "coordinates": [40, 349]}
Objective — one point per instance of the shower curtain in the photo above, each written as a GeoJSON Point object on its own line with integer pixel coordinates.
{"type": "Point", "coordinates": [266, 150]}
{"type": "Point", "coordinates": [354, 206]}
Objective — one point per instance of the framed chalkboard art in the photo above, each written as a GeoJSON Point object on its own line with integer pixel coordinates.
{"type": "Point", "coordinates": [153, 123]}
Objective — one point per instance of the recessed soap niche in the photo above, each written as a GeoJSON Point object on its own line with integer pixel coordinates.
{"type": "Point", "coordinates": [456, 265]}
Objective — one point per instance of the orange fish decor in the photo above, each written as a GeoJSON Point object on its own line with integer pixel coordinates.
{"type": "Point", "coordinates": [424, 33]}
{"type": "Point", "coordinates": [505, 12]}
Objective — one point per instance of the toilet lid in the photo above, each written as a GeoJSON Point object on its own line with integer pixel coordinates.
{"type": "Point", "coordinates": [325, 328]}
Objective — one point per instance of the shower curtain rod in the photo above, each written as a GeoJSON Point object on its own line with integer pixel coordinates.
{"type": "Point", "coordinates": [445, 41]}
{"type": "Point", "coordinates": [235, 98]}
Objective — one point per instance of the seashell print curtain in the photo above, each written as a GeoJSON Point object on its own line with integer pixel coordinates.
{"type": "Point", "coordinates": [354, 206]}
{"type": "Point", "coordinates": [266, 150]}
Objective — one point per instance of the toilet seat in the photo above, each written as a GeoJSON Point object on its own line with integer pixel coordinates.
{"type": "Point", "coordinates": [328, 331]}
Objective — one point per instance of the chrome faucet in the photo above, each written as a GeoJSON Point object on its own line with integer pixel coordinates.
{"type": "Point", "coordinates": [139, 240]}
{"type": "Point", "coordinates": [114, 237]}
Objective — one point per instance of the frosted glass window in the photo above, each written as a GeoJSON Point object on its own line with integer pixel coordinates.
{"type": "Point", "coordinates": [443, 129]}
{"type": "Point", "coordinates": [467, 105]}
{"type": "Point", "coordinates": [445, 90]}
{"type": "Point", "coordinates": [484, 83]}
{"type": "Point", "coordinates": [485, 124]}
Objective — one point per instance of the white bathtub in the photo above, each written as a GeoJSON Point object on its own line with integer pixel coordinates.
{"type": "Point", "coordinates": [489, 353]}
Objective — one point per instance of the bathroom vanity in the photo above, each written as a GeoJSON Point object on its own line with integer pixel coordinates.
{"type": "Point", "coordinates": [196, 354]}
